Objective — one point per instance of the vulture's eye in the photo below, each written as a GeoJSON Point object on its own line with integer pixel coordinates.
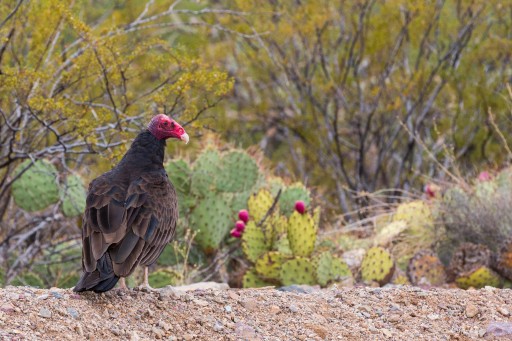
{"type": "Point", "coordinates": [166, 124]}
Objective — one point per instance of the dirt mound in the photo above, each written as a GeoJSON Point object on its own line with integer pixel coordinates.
{"type": "Point", "coordinates": [400, 313]}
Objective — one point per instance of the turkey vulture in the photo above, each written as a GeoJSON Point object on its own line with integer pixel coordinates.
{"type": "Point", "coordinates": [131, 211]}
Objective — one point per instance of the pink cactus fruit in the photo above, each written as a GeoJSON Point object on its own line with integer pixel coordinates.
{"type": "Point", "coordinates": [431, 190]}
{"type": "Point", "coordinates": [235, 233]}
{"type": "Point", "coordinates": [240, 226]}
{"type": "Point", "coordinates": [484, 176]}
{"type": "Point", "coordinates": [300, 206]}
{"type": "Point", "coordinates": [243, 215]}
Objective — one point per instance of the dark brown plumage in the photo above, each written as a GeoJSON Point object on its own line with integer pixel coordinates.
{"type": "Point", "coordinates": [131, 211]}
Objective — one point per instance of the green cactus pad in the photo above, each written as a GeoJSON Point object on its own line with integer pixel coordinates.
{"type": "Point", "coordinates": [400, 278]}
{"type": "Point", "coordinates": [292, 194]}
{"type": "Point", "coordinates": [283, 246]}
{"type": "Point", "coordinates": [377, 266]}
{"type": "Point", "coordinates": [239, 174]}
{"type": "Point", "coordinates": [162, 278]}
{"type": "Point", "coordinates": [252, 280]}
{"type": "Point", "coordinates": [254, 243]}
{"type": "Point", "coordinates": [180, 174]}
{"type": "Point", "coordinates": [73, 196]}
{"type": "Point", "coordinates": [259, 204]}
{"type": "Point", "coordinates": [212, 219]}
{"type": "Point", "coordinates": [269, 265]}
{"type": "Point", "coordinates": [205, 172]}
{"type": "Point", "coordinates": [274, 185]}
{"type": "Point", "coordinates": [37, 187]}
{"type": "Point", "coordinates": [481, 277]}
{"type": "Point", "coordinates": [301, 234]}
{"type": "Point", "coordinates": [330, 268]}
{"type": "Point", "coordinates": [425, 268]}
{"type": "Point", "coordinates": [299, 270]}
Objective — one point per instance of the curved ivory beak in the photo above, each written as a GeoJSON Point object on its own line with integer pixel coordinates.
{"type": "Point", "coordinates": [184, 138]}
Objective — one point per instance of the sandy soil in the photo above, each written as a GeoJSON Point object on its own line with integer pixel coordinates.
{"type": "Point", "coordinates": [399, 313]}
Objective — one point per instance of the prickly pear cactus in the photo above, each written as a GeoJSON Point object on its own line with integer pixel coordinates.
{"type": "Point", "coordinates": [292, 194]}
{"type": "Point", "coordinates": [239, 173]}
{"type": "Point", "coordinates": [212, 220]}
{"type": "Point", "coordinates": [302, 234]}
{"type": "Point", "coordinates": [330, 268]}
{"type": "Point", "coordinates": [419, 234]}
{"type": "Point", "coordinates": [269, 265]}
{"type": "Point", "coordinates": [179, 173]}
{"type": "Point", "coordinates": [467, 258]}
{"type": "Point", "coordinates": [425, 268]}
{"type": "Point", "coordinates": [37, 187]}
{"type": "Point", "coordinates": [299, 270]}
{"type": "Point", "coordinates": [73, 196]}
{"type": "Point", "coordinates": [400, 278]}
{"type": "Point", "coordinates": [254, 243]}
{"type": "Point", "coordinates": [252, 280]}
{"type": "Point", "coordinates": [503, 263]}
{"type": "Point", "coordinates": [283, 246]}
{"type": "Point", "coordinates": [259, 204]}
{"type": "Point", "coordinates": [479, 278]}
{"type": "Point", "coordinates": [377, 266]}
{"type": "Point", "coordinates": [205, 172]}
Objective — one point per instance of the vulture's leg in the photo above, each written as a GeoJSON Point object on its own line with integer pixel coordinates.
{"type": "Point", "coordinates": [122, 284]}
{"type": "Point", "coordinates": [145, 283]}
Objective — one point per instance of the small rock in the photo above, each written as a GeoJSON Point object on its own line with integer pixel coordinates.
{"type": "Point", "coordinates": [188, 337]}
{"type": "Point", "coordinates": [300, 289]}
{"type": "Point", "coordinates": [201, 303]}
{"type": "Point", "coordinates": [72, 312]}
{"type": "Point", "coordinates": [159, 333]}
{"type": "Point", "coordinates": [503, 311]}
{"type": "Point", "coordinates": [274, 309]}
{"type": "Point", "coordinates": [394, 318]}
{"type": "Point", "coordinates": [217, 326]}
{"type": "Point", "coordinates": [318, 329]}
{"type": "Point", "coordinates": [233, 295]}
{"type": "Point", "coordinates": [228, 309]}
{"type": "Point", "coordinates": [471, 310]}
{"type": "Point", "coordinates": [7, 308]}
{"type": "Point", "coordinates": [134, 336]}
{"type": "Point", "coordinates": [43, 297]}
{"type": "Point", "coordinates": [498, 329]}
{"type": "Point", "coordinates": [56, 294]}
{"type": "Point", "coordinates": [293, 308]}
{"type": "Point", "coordinates": [203, 286]}
{"type": "Point", "coordinates": [386, 332]}
{"type": "Point", "coordinates": [250, 304]}
{"type": "Point", "coordinates": [433, 317]}
{"type": "Point", "coordinates": [45, 313]}
{"type": "Point", "coordinates": [164, 325]}
{"type": "Point", "coordinates": [246, 332]}
{"type": "Point", "coordinates": [79, 330]}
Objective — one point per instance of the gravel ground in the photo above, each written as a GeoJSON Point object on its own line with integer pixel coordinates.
{"type": "Point", "coordinates": [398, 313]}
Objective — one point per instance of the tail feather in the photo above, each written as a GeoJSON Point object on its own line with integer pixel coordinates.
{"type": "Point", "coordinates": [100, 280]}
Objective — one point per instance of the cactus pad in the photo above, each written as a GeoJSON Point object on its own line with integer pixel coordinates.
{"type": "Point", "coordinates": [254, 243]}
{"type": "Point", "coordinates": [425, 268]}
{"type": "Point", "coordinates": [377, 266]}
{"type": "Point", "coordinates": [503, 262]}
{"type": "Point", "coordinates": [252, 280]}
{"type": "Point", "coordinates": [298, 271]}
{"type": "Point", "coordinates": [269, 265]}
{"type": "Point", "coordinates": [259, 204]}
{"type": "Point", "coordinates": [73, 196]}
{"type": "Point", "coordinates": [37, 187]}
{"type": "Point", "coordinates": [205, 171]}
{"type": "Point", "coordinates": [467, 258]}
{"type": "Point", "coordinates": [239, 173]}
{"type": "Point", "coordinates": [180, 175]}
{"type": "Point", "coordinates": [479, 278]}
{"type": "Point", "coordinates": [330, 268]}
{"type": "Point", "coordinates": [212, 219]}
{"type": "Point", "coordinates": [292, 194]}
{"type": "Point", "coordinates": [301, 234]}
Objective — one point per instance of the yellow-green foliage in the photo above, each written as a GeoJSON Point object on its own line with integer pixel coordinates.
{"type": "Point", "coordinates": [269, 265]}
{"type": "Point", "coordinates": [254, 243]}
{"type": "Point", "coordinates": [259, 204]}
{"type": "Point", "coordinates": [251, 279]}
{"type": "Point", "coordinates": [481, 277]}
{"type": "Point", "coordinates": [299, 270]}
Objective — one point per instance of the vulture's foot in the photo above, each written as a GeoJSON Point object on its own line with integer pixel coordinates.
{"type": "Point", "coordinates": [122, 284]}
{"type": "Point", "coordinates": [145, 284]}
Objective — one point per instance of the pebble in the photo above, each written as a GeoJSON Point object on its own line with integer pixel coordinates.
{"type": "Point", "coordinates": [394, 318]}
{"type": "Point", "coordinates": [293, 308]}
{"type": "Point", "coordinates": [134, 336]}
{"type": "Point", "coordinates": [228, 309]}
{"type": "Point", "coordinates": [503, 311]}
{"type": "Point", "coordinates": [201, 303]}
{"type": "Point", "coordinates": [386, 332]}
{"type": "Point", "coordinates": [79, 330]}
{"type": "Point", "coordinates": [433, 317]}
{"type": "Point", "coordinates": [43, 297]}
{"type": "Point", "coordinates": [250, 304]}
{"type": "Point", "coordinates": [159, 333]}
{"type": "Point", "coordinates": [300, 289]}
{"type": "Point", "coordinates": [72, 312]}
{"type": "Point", "coordinates": [217, 326]}
{"type": "Point", "coordinates": [56, 294]}
{"type": "Point", "coordinates": [471, 310]}
{"type": "Point", "coordinates": [274, 309]}
{"type": "Point", "coordinates": [45, 313]}
{"type": "Point", "coordinates": [166, 326]}
{"type": "Point", "coordinates": [499, 329]}
{"type": "Point", "coordinates": [188, 337]}
{"type": "Point", "coordinates": [233, 295]}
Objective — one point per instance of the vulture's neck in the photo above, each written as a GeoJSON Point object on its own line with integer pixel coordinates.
{"type": "Point", "coordinates": [145, 154]}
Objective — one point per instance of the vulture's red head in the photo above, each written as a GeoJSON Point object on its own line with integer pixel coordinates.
{"type": "Point", "coordinates": [164, 127]}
